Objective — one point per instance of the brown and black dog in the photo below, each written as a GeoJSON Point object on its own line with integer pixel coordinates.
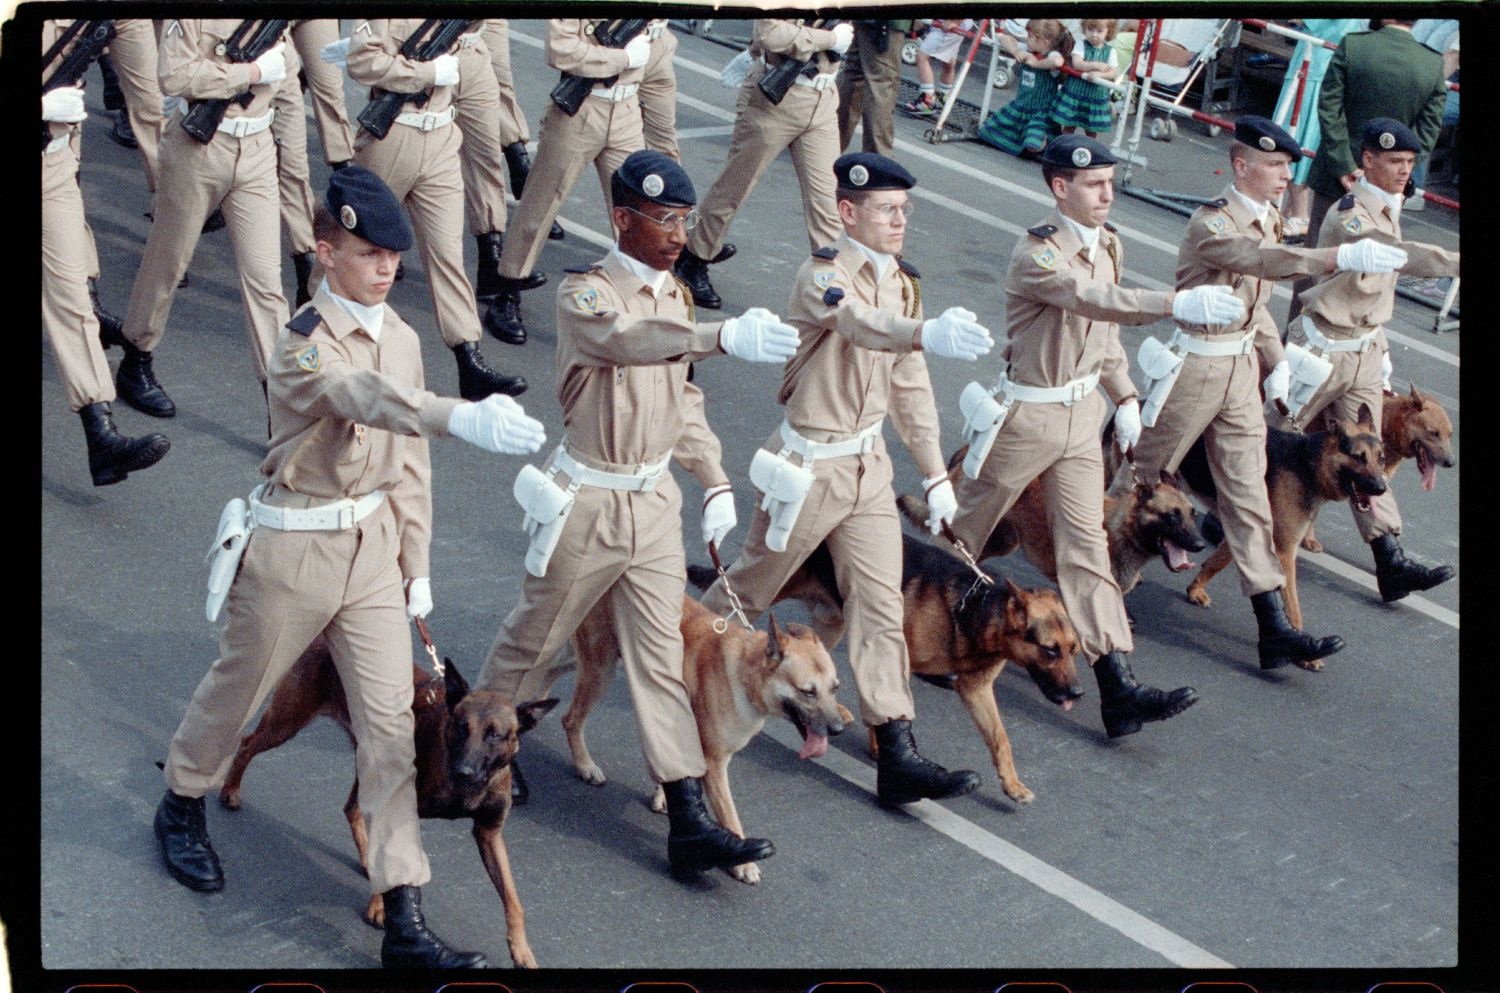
{"type": "Point", "coordinates": [1303, 471]}
{"type": "Point", "coordinates": [465, 743]}
{"type": "Point", "coordinates": [955, 625]}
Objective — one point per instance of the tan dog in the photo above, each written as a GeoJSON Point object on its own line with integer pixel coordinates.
{"type": "Point", "coordinates": [735, 680]}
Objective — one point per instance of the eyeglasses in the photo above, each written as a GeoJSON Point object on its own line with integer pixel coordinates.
{"type": "Point", "coordinates": [688, 220]}
{"type": "Point", "coordinates": [887, 211]}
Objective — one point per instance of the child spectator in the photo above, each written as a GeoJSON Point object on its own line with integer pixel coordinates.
{"type": "Point", "coordinates": [941, 43]}
{"type": "Point", "coordinates": [1083, 105]}
{"type": "Point", "coordinates": [1023, 126]}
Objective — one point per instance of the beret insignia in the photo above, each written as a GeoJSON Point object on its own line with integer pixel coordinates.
{"type": "Point", "coordinates": [1387, 140]}
{"type": "Point", "coordinates": [1082, 157]}
{"type": "Point", "coordinates": [1267, 143]}
{"type": "Point", "coordinates": [653, 185]}
{"type": "Point", "coordinates": [347, 217]}
{"type": "Point", "coordinates": [859, 175]}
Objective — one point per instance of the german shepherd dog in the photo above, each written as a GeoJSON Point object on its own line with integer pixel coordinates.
{"type": "Point", "coordinates": [956, 625]}
{"type": "Point", "coordinates": [465, 743]}
{"type": "Point", "coordinates": [1303, 471]}
{"type": "Point", "coordinates": [735, 680]}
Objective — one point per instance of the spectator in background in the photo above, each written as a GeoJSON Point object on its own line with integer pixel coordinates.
{"type": "Point", "coordinates": [941, 44]}
{"type": "Point", "coordinates": [1440, 35]}
{"type": "Point", "coordinates": [1023, 126]}
{"type": "Point", "coordinates": [1306, 130]}
{"type": "Point", "coordinates": [1084, 105]}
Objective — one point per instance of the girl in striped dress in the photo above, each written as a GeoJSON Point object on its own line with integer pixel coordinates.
{"type": "Point", "coordinates": [1083, 105]}
{"type": "Point", "coordinates": [1023, 126]}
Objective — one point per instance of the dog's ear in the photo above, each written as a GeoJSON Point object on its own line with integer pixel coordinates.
{"type": "Point", "coordinates": [1366, 418]}
{"type": "Point", "coordinates": [454, 686]}
{"type": "Point", "coordinates": [1414, 394]}
{"type": "Point", "coordinates": [1015, 591]}
{"type": "Point", "coordinates": [773, 643]}
{"type": "Point", "coordinates": [1142, 492]}
{"type": "Point", "coordinates": [528, 714]}
{"type": "Point", "coordinates": [1170, 479]}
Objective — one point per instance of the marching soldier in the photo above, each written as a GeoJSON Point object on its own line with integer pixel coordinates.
{"type": "Point", "coordinates": [326, 85]}
{"type": "Point", "coordinates": [1235, 241]}
{"type": "Point", "coordinates": [1343, 320]}
{"type": "Point", "coordinates": [1063, 305]}
{"type": "Point", "coordinates": [805, 121]}
{"type": "Point", "coordinates": [658, 92]}
{"type": "Point", "coordinates": [419, 160]}
{"type": "Point", "coordinates": [341, 524]}
{"type": "Point", "coordinates": [858, 308]}
{"type": "Point", "coordinates": [514, 133]}
{"type": "Point", "coordinates": [293, 174]}
{"type": "Point", "coordinates": [607, 516]}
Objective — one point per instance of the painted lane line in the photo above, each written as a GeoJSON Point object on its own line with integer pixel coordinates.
{"type": "Point", "coordinates": [1355, 574]}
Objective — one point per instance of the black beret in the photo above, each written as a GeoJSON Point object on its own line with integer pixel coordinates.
{"type": "Point", "coordinates": [1266, 135]}
{"type": "Point", "coordinates": [869, 171]}
{"type": "Point", "coordinates": [657, 178]}
{"type": "Point", "coordinates": [1076, 151]}
{"type": "Point", "coordinates": [365, 207]}
{"type": "Point", "coordinates": [1386, 134]}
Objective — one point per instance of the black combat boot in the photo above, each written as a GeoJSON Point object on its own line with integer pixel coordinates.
{"type": "Point", "coordinates": [1126, 704]}
{"type": "Point", "coordinates": [409, 945]}
{"type": "Point", "coordinates": [696, 842]}
{"type": "Point", "coordinates": [111, 328]}
{"type": "Point", "coordinates": [122, 132]}
{"type": "Point", "coordinates": [519, 164]}
{"type": "Point", "coordinates": [694, 272]}
{"type": "Point", "coordinates": [903, 776]}
{"type": "Point", "coordinates": [302, 265]}
{"type": "Point", "coordinates": [1280, 643]}
{"type": "Point", "coordinates": [137, 385]}
{"type": "Point", "coordinates": [724, 254]}
{"type": "Point", "coordinates": [503, 316]}
{"type": "Point", "coordinates": [556, 232]}
{"type": "Point", "coordinates": [215, 221]}
{"type": "Point", "coordinates": [1397, 575]}
{"type": "Point", "coordinates": [113, 456]}
{"type": "Point", "coordinates": [487, 275]}
{"type": "Point", "coordinates": [476, 380]}
{"type": "Point", "coordinates": [339, 166]}
{"type": "Point", "coordinates": [182, 831]}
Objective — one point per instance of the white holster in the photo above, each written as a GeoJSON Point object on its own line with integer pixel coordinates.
{"type": "Point", "coordinates": [1161, 366]}
{"type": "Point", "coordinates": [983, 418]}
{"type": "Point", "coordinates": [784, 487]}
{"type": "Point", "coordinates": [547, 506]}
{"type": "Point", "coordinates": [235, 525]}
{"type": "Point", "coordinates": [1308, 373]}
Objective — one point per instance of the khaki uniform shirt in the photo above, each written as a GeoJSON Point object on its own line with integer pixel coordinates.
{"type": "Point", "coordinates": [375, 60]}
{"type": "Point", "coordinates": [189, 65]}
{"type": "Point", "coordinates": [774, 41]}
{"type": "Point", "coordinates": [571, 48]}
{"type": "Point", "coordinates": [350, 415]}
{"type": "Point", "coordinates": [1063, 312]}
{"type": "Point", "coordinates": [622, 365]}
{"type": "Point", "coordinates": [856, 360]}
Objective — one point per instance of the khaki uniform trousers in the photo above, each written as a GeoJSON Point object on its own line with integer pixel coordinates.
{"type": "Point", "coordinates": [476, 102]}
{"type": "Point", "coordinates": [868, 85]}
{"type": "Point", "coordinates": [133, 49]}
{"type": "Point", "coordinates": [658, 96]}
{"type": "Point", "coordinates": [806, 123]}
{"type": "Point", "coordinates": [421, 168]}
{"type": "Point", "coordinates": [850, 507]}
{"type": "Point", "coordinates": [603, 132]}
{"type": "Point", "coordinates": [67, 313]}
{"type": "Point", "coordinates": [293, 585]}
{"type": "Point", "coordinates": [325, 83]}
{"type": "Point", "coordinates": [239, 175]}
{"type": "Point", "coordinates": [624, 549]}
{"type": "Point", "coordinates": [513, 127]}
{"type": "Point", "coordinates": [292, 169]}
{"type": "Point", "coordinates": [1355, 380]}
{"type": "Point", "coordinates": [1218, 397]}
{"type": "Point", "coordinates": [1061, 446]}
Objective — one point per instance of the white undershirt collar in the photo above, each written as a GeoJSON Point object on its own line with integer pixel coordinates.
{"type": "Point", "coordinates": [880, 260]}
{"type": "Point", "coordinates": [1087, 235]}
{"type": "Point", "coordinates": [1391, 200]}
{"type": "Point", "coordinates": [1257, 207]}
{"type": "Point", "coordinates": [369, 318]}
{"type": "Point", "coordinates": [654, 278]}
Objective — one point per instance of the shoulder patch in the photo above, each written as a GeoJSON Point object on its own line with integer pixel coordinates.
{"type": "Point", "coordinates": [823, 280]}
{"type": "Point", "coordinates": [1047, 259]}
{"type": "Point", "coordinates": [1042, 231]}
{"type": "Point", "coordinates": [307, 359]}
{"type": "Point", "coordinates": [833, 296]}
{"type": "Point", "coordinates": [587, 300]}
{"type": "Point", "coordinates": [1354, 225]}
{"type": "Point", "coordinates": [580, 270]}
{"type": "Point", "coordinates": [1347, 202]}
{"type": "Point", "coordinates": [306, 322]}
{"type": "Point", "coordinates": [908, 268]}
{"type": "Point", "coordinates": [1217, 224]}
{"type": "Point", "coordinates": [826, 252]}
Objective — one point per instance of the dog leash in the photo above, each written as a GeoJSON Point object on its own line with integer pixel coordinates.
{"type": "Point", "coordinates": [427, 643]}
{"type": "Point", "coordinates": [736, 609]}
{"type": "Point", "coordinates": [983, 578]}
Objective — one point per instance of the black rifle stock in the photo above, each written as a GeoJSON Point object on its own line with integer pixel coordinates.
{"type": "Point", "coordinates": [204, 116]}
{"type": "Point", "coordinates": [432, 38]}
{"type": "Point", "coordinates": [570, 91]}
{"type": "Point", "coordinates": [777, 80]}
{"type": "Point", "coordinates": [91, 38]}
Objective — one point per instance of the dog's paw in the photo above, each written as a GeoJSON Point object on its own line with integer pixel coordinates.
{"type": "Point", "coordinates": [1018, 792]}
{"type": "Point", "coordinates": [229, 799]}
{"type": "Point", "coordinates": [590, 773]}
{"type": "Point", "coordinates": [659, 801]}
{"type": "Point", "coordinates": [747, 873]}
{"type": "Point", "coordinates": [1311, 543]}
{"type": "Point", "coordinates": [1312, 665]}
{"type": "Point", "coordinates": [520, 954]}
{"type": "Point", "coordinates": [374, 914]}
{"type": "Point", "coordinates": [844, 714]}
{"type": "Point", "coordinates": [1198, 596]}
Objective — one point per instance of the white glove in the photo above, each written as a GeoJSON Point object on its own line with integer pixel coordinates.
{"type": "Point", "coordinates": [272, 64]}
{"type": "Point", "coordinates": [718, 514]}
{"type": "Point", "coordinates": [64, 105]}
{"type": "Point", "coordinates": [497, 424]}
{"type": "Point", "coordinates": [758, 335]}
{"type": "Point", "coordinates": [953, 334]}
{"type": "Point", "coordinates": [941, 503]}
{"type": "Point", "coordinates": [336, 52]}
{"type": "Point", "coordinates": [638, 51]}
{"type": "Point", "coordinates": [172, 105]}
{"type": "Point", "coordinates": [445, 70]}
{"type": "Point", "coordinates": [1207, 305]}
{"type": "Point", "coordinates": [1385, 372]}
{"type": "Point", "coordinates": [1279, 383]}
{"type": "Point", "coordinates": [1128, 424]}
{"type": "Point", "coordinates": [843, 37]}
{"type": "Point", "coordinates": [1369, 255]}
{"type": "Point", "coordinates": [418, 597]}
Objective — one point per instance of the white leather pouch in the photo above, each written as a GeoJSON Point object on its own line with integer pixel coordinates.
{"type": "Point", "coordinates": [1308, 373]}
{"type": "Point", "coordinates": [224, 557]}
{"type": "Point", "coordinates": [547, 506]}
{"type": "Point", "coordinates": [1161, 367]}
{"type": "Point", "coordinates": [983, 418]}
{"type": "Point", "coordinates": [784, 487]}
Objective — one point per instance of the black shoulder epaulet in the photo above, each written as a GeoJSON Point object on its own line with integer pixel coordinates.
{"type": "Point", "coordinates": [909, 269]}
{"type": "Point", "coordinates": [579, 270]}
{"type": "Point", "coordinates": [1042, 231]}
{"type": "Point", "coordinates": [1221, 202]}
{"type": "Point", "coordinates": [1109, 227]}
{"type": "Point", "coordinates": [1347, 202]}
{"type": "Point", "coordinates": [826, 252]}
{"type": "Point", "coordinates": [306, 322]}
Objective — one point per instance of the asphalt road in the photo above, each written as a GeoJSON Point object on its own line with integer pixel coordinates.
{"type": "Point", "coordinates": [1291, 820]}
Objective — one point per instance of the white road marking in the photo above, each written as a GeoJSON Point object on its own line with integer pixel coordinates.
{"type": "Point", "coordinates": [1355, 574]}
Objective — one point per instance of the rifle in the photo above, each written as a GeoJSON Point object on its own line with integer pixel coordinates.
{"type": "Point", "coordinates": [777, 81]}
{"type": "Point", "coordinates": [204, 116]}
{"type": "Point", "coordinates": [92, 37]}
{"type": "Point", "coordinates": [432, 38]}
{"type": "Point", "coordinates": [570, 90]}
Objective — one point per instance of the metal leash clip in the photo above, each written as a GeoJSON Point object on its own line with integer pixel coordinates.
{"type": "Point", "coordinates": [736, 609]}
{"type": "Point", "coordinates": [437, 664]}
{"type": "Point", "coordinates": [982, 578]}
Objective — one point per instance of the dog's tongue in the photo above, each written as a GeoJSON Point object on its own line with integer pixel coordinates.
{"type": "Point", "coordinates": [1429, 474]}
{"type": "Point", "coordinates": [814, 746]}
{"type": "Point", "coordinates": [1177, 558]}
{"type": "Point", "coordinates": [1067, 704]}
